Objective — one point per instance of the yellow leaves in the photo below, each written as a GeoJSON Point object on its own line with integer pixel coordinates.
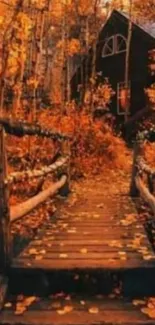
{"type": "Point", "coordinates": [93, 310]}
{"type": "Point", "coordinates": [20, 309]}
{"type": "Point", "coordinates": [83, 250]}
{"type": "Point", "coordinates": [32, 82]}
{"type": "Point", "coordinates": [149, 312]}
{"type": "Point", "coordinates": [115, 243]}
{"type": "Point", "coordinates": [96, 216]}
{"type": "Point", "coordinates": [71, 231]}
{"type": "Point", "coordinates": [38, 257]}
{"type": "Point", "coordinates": [8, 305]}
{"type": "Point", "coordinates": [65, 310]}
{"type": "Point", "coordinates": [63, 255]}
{"type": "Point", "coordinates": [82, 302]}
{"type": "Point", "coordinates": [122, 255]}
{"type": "Point", "coordinates": [71, 47]}
{"type": "Point", "coordinates": [129, 219]}
{"type": "Point", "coordinates": [34, 251]}
{"type": "Point", "coordinates": [100, 206]}
{"type": "Point", "coordinates": [22, 305]}
{"type": "Point", "coordinates": [138, 302]}
{"type": "Point", "coordinates": [148, 257]}
{"type": "Point", "coordinates": [149, 309]}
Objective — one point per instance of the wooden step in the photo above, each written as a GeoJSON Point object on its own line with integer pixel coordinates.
{"type": "Point", "coordinates": [77, 311]}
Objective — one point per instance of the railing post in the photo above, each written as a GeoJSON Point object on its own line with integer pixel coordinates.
{"type": "Point", "coordinates": [5, 241]}
{"type": "Point", "coordinates": [65, 151]}
{"type": "Point", "coordinates": [137, 152]}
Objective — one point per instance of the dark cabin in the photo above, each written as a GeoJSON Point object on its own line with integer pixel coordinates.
{"type": "Point", "coordinates": [111, 54]}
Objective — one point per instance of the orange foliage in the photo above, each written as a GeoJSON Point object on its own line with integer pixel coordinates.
{"type": "Point", "coordinates": [94, 145]}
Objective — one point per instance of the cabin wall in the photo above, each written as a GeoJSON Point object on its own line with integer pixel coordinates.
{"type": "Point", "coordinates": [113, 67]}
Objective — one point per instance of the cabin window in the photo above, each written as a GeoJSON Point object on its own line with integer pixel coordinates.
{"type": "Point", "coordinates": [108, 48]}
{"type": "Point", "coordinates": [123, 97]}
{"type": "Point", "coordinates": [113, 45]}
{"type": "Point", "coordinates": [120, 43]}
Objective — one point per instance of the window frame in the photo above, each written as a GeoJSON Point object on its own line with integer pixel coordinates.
{"type": "Point", "coordinates": [114, 45]}
{"type": "Point", "coordinates": [105, 44]}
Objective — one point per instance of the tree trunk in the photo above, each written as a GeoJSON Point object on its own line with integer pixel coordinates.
{"type": "Point", "coordinates": [127, 60]}
{"type": "Point", "coordinates": [5, 247]}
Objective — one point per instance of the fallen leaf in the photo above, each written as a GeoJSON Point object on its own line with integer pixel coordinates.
{"type": "Point", "coordinates": [38, 257]}
{"type": "Point", "coordinates": [115, 243]}
{"type": "Point", "coordinates": [82, 302]}
{"type": "Point", "coordinates": [122, 253]}
{"type": "Point", "coordinates": [96, 216]}
{"type": "Point", "coordinates": [20, 311]}
{"type": "Point", "coordinates": [100, 205]}
{"type": "Point", "coordinates": [68, 309]}
{"type": "Point", "coordinates": [148, 257]}
{"type": "Point", "coordinates": [8, 305]}
{"type": "Point", "coordinates": [63, 255]}
{"type": "Point", "coordinates": [93, 310]}
{"type": "Point", "coordinates": [149, 312]}
{"type": "Point", "coordinates": [71, 231]}
{"type": "Point", "coordinates": [65, 310]}
{"type": "Point", "coordinates": [83, 250]}
{"type": "Point", "coordinates": [61, 311]}
{"type": "Point", "coordinates": [42, 251]}
{"type": "Point", "coordinates": [29, 300]}
{"type": "Point", "coordinates": [152, 299]}
{"type": "Point", "coordinates": [33, 251]}
{"type": "Point", "coordinates": [150, 305]}
{"type": "Point", "coordinates": [137, 302]}
{"type": "Point", "coordinates": [123, 258]}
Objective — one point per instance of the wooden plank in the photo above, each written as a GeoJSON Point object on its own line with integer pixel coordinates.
{"type": "Point", "coordinates": [104, 243]}
{"type": "Point", "coordinates": [74, 264]}
{"type": "Point", "coordinates": [85, 256]}
{"type": "Point", "coordinates": [94, 225]}
{"type": "Point", "coordinates": [89, 236]}
{"type": "Point", "coordinates": [65, 247]}
{"type": "Point", "coordinates": [76, 317]}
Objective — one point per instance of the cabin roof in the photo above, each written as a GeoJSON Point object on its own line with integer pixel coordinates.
{"type": "Point", "coordinates": [148, 26]}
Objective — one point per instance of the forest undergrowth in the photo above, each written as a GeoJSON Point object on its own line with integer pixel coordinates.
{"type": "Point", "coordinates": [95, 150]}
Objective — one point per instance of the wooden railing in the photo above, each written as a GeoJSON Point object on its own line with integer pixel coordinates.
{"type": "Point", "coordinates": [8, 213]}
{"type": "Point", "coordinates": [143, 176]}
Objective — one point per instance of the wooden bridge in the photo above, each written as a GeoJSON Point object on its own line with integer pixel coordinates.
{"type": "Point", "coordinates": [92, 262]}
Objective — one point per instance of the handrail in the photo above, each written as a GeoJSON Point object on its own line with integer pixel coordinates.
{"type": "Point", "coordinates": [22, 128]}
{"type": "Point", "coordinates": [141, 169]}
{"type": "Point", "coordinates": [28, 174]}
{"type": "Point", "coordinates": [61, 166]}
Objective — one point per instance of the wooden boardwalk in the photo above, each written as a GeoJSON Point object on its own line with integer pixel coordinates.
{"type": "Point", "coordinates": [99, 228]}
{"type": "Point", "coordinates": [94, 234]}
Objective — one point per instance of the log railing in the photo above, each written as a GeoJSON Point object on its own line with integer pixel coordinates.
{"type": "Point", "coordinates": [61, 167]}
{"type": "Point", "coordinates": [143, 176]}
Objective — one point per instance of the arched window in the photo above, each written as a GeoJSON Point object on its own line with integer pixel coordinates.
{"type": "Point", "coordinates": [114, 45]}
{"type": "Point", "coordinates": [108, 48]}
{"type": "Point", "coordinates": [120, 43]}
